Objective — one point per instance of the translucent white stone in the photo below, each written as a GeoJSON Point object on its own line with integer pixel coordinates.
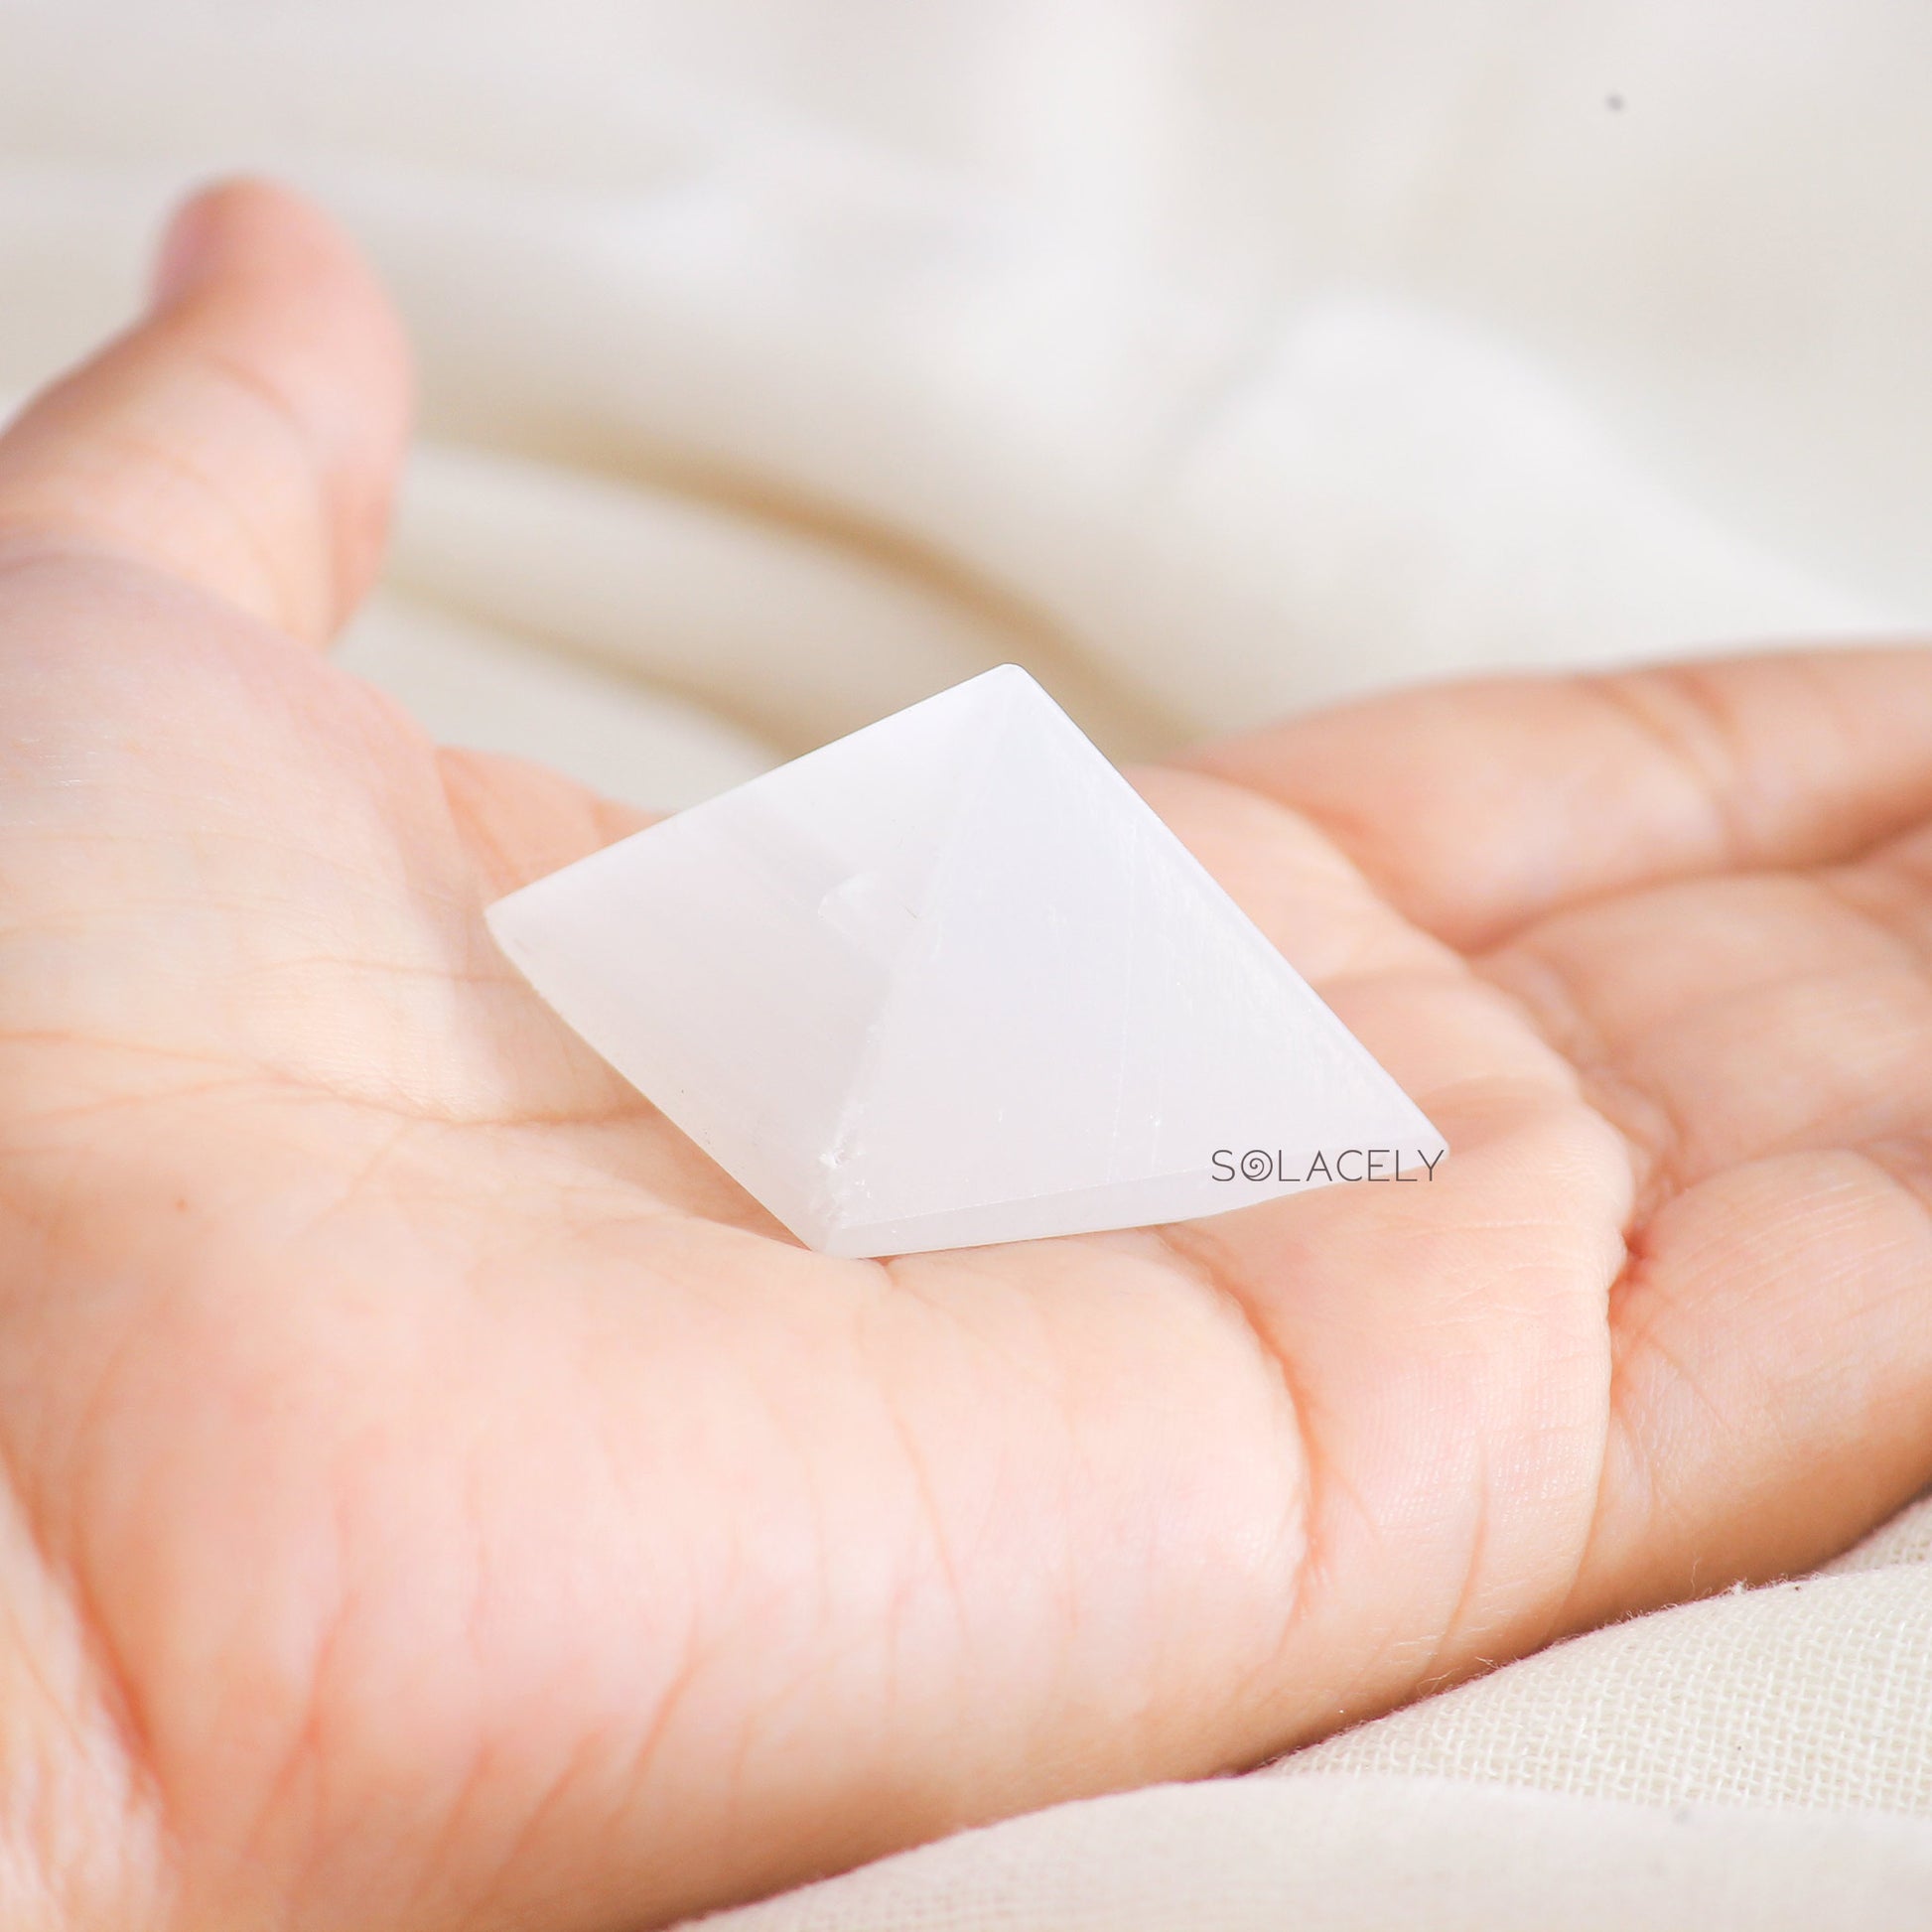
{"type": "Point", "coordinates": [949, 981]}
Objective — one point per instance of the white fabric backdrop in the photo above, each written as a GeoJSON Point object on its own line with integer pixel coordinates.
{"type": "Point", "coordinates": [786, 360]}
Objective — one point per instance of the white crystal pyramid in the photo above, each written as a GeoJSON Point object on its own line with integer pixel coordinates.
{"type": "Point", "coordinates": [949, 981]}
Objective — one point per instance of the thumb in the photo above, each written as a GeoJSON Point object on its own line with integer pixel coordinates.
{"type": "Point", "coordinates": [246, 433]}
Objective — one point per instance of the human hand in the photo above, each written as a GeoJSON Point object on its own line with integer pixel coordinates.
{"type": "Point", "coordinates": [436, 1497]}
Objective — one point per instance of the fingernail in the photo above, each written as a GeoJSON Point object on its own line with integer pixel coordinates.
{"type": "Point", "coordinates": [183, 252]}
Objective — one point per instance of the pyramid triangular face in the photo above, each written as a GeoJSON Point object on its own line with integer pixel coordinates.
{"type": "Point", "coordinates": [950, 981]}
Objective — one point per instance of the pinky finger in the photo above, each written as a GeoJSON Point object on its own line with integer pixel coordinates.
{"type": "Point", "coordinates": [1772, 1394]}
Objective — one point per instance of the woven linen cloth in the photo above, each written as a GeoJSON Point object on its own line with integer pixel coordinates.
{"type": "Point", "coordinates": [785, 361]}
{"type": "Point", "coordinates": [1771, 1696]}
{"type": "Point", "coordinates": [1382, 1854]}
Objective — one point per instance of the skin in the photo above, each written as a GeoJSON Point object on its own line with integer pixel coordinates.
{"type": "Point", "coordinates": [435, 1496]}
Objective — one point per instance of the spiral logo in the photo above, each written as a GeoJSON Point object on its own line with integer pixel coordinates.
{"type": "Point", "coordinates": [1256, 1165]}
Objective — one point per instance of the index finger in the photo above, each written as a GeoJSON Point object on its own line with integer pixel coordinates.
{"type": "Point", "coordinates": [1477, 807]}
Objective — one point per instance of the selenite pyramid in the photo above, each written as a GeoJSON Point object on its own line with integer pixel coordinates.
{"type": "Point", "coordinates": [949, 981]}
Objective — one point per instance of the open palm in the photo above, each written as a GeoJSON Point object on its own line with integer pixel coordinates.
{"type": "Point", "coordinates": [436, 1496]}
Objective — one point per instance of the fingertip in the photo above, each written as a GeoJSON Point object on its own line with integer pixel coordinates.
{"type": "Point", "coordinates": [288, 292]}
{"type": "Point", "coordinates": [184, 254]}
{"type": "Point", "coordinates": [246, 434]}
{"type": "Point", "coordinates": [247, 224]}
{"type": "Point", "coordinates": [268, 254]}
